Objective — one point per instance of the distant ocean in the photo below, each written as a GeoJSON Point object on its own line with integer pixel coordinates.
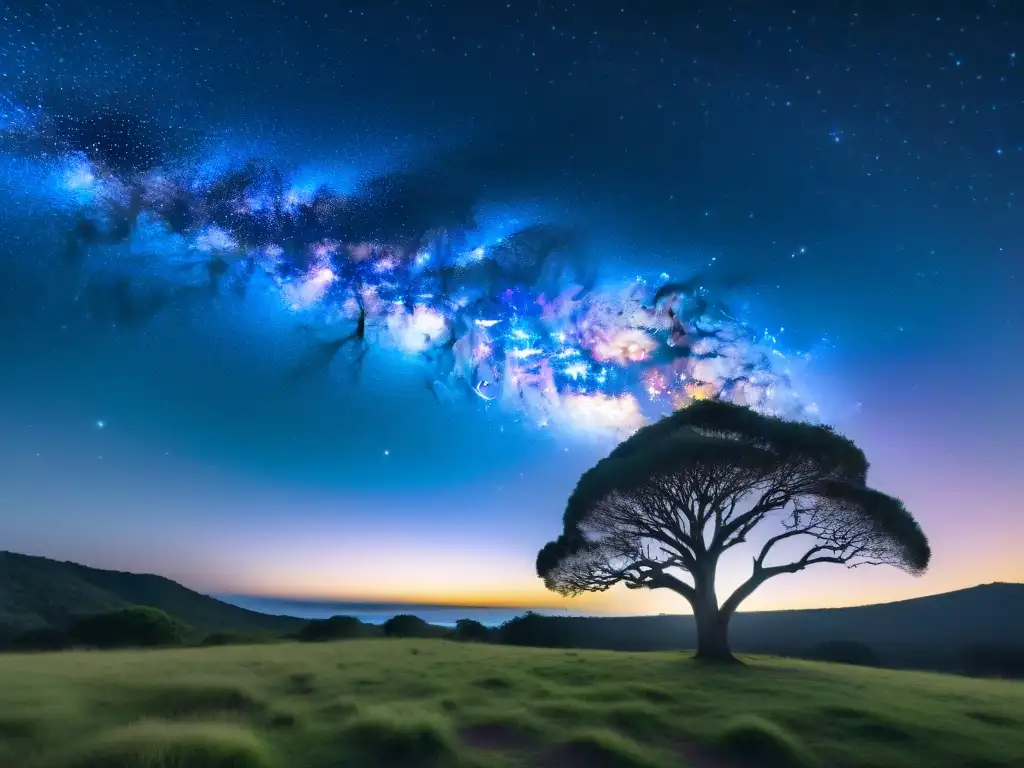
{"type": "Point", "coordinates": [378, 613]}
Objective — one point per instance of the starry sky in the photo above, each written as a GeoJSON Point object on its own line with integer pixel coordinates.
{"type": "Point", "coordinates": [860, 167]}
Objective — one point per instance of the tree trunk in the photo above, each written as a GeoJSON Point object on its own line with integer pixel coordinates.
{"type": "Point", "coordinates": [712, 631]}
{"type": "Point", "coordinates": [713, 636]}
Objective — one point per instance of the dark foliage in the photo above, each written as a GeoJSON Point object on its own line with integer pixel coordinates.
{"type": "Point", "coordinates": [137, 626]}
{"type": "Point", "coordinates": [42, 639]}
{"type": "Point", "coordinates": [845, 652]}
{"type": "Point", "coordinates": [532, 629]}
{"type": "Point", "coordinates": [469, 630]}
{"type": "Point", "coordinates": [994, 659]}
{"type": "Point", "coordinates": [404, 625]}
{"type": "Point", "coordinates": [666, 504]}
{"type": "Point", "coordinates": [237, 638]}
{"type": "Point", "coordinates": [334, 628]}
{"type": "Point", "coordinates": [39, 592]}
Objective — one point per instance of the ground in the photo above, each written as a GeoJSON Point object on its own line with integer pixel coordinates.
{"type": "Point", "coordinates": [398, 703]}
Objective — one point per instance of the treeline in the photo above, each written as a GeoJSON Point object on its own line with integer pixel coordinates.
{"type": "Point", "coordinates": [143, 627]}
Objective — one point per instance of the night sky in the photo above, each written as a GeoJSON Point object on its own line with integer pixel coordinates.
{"type": "Point", "coordinates": [855, 168]}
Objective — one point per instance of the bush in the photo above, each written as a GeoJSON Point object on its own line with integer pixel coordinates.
{"type": "Point", "coordinates": [845, 652]}
{"type": "Point", "coordinates": [334, 628]}
{"type": "Point", "coordinates": [469, 630]}
{"type": "Point", "coordinates": [237, 638]}
{"type": "Point", "coordinates": [42, 639]}
{"type": "Point", "coordinates": [137, 626]}
{"type": "Point", "coordinates": [404, 625]}
{"type": "Point", "coordinates": [993, 660]}
{"type": "Point", "coordinates": [170, 745]}
{"type": "Point", "coordinates": [532, 629]}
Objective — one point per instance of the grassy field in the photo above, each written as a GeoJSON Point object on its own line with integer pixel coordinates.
{"type": "Point", "coordinates": [429, 702]}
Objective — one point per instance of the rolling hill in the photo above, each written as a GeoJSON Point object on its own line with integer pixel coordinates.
{"type": "Point", "coordinates": [921, 633]}
{"type": "Point", "coordinates": [924, 633]}
{"type": "Point", "coordinates": [37, 592]}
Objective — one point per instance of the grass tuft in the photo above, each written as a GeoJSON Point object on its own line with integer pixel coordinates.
{"type": "Point", "coordinates": [639, 719]}
{"type": "Point", "coordinates": [302, 683]}
{"type": "Point", "coordinates": [601, 747]}
{"type": "Point", "coordinates": [402, 735]}
{"type": "Point", "coordinates": [157, 744]}
{"type": "Point", "coordinates": [496, 683]}
{"type": "Point", "coordinates": [756, 738]}
{"type": "Point", "coordinates": [15, 728]}
{"type": "Point", "coordinates": [651, 693]}
{"type": "Point", "coordinates": [174, 700]}
{"type": "Point", "coordinates": [994, 718]}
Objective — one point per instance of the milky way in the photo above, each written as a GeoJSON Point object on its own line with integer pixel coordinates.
{"type": "Point", "coordinates": [520, 320]}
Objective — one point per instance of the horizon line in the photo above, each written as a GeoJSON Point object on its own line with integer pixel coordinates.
{"type": "Point", "coordinates": [312, 601]}
{"type": "Point", "coordinates": [327, 601]}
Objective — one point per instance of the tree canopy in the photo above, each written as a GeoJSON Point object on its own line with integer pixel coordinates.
{"type": "Point", "coordinates": [663, 507]}
{"type": "Point", "coordinates": [136, 626]}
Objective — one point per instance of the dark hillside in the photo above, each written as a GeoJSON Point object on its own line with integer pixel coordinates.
{"type": "Point", "coordinates": [927, 632]}
{"type": "Point", "coordinates": [38, 592]}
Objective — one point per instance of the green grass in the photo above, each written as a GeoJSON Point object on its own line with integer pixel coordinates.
{"type": "Point", "coordinates": [407, 703]}
{"type": "Point", "coordinates": [168, 745]}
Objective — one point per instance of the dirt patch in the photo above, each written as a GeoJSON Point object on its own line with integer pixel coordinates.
{"type": "Point", "coordinates": [493, 736]}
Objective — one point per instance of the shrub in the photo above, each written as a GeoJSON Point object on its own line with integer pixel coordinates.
{"type": "Point", "coordinates": [532, 629]}
{"type": "Point", "coordinates": [993, 660]}
{"type": "Point", "coordinates": [169, 745]}
{"type": "Point", "coordinates": [404, 625]}
{"type": "Point", "coordinates": [236, 638]}
{"type": "Point", "coordinates": [334, 628]}
{"type": "Point", "coordinates": [845, 652]}
{"type": "Point", "coordinates": [138, 626]}
{"type": "Point", "coordinates": [42, 639]}
{"type": "Point", "coordinates": [469, 630]}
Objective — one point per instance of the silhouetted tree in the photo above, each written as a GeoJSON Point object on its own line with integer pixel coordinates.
{"type": "Point", "coordinates": [993, 660]}
{"type": "Point", "coordinates": [666, 504]}
{"type": "Point", "coordinates": [238, 638]}
{"type": "Point", "coordinates": [334, 628]}
{"type": "Point", "coordinates": [470, 630]}
{"type": "Point", "coordinates": [532, 629]}
{"type": "Point", "coordinates": [404, 625]}
{"type": "Point", "coordinates": [42, 639]}
{"type": "Point", "coordinates": [138, 626]}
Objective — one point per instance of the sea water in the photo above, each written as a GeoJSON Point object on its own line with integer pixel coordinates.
{"type": "Point", "coordinates": [378, 613]}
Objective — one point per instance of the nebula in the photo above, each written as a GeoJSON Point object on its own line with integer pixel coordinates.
{"type": "Point", "coordinates": [520, 321]}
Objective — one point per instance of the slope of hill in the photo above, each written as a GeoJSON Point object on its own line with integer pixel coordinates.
{"type": "Point", "coordinates": [926, 632]}
{"type": "Point", "coordinates": [39, 592]}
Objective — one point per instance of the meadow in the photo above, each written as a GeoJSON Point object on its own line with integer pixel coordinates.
{"type": "Point", "coordinates": [407, 703]}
